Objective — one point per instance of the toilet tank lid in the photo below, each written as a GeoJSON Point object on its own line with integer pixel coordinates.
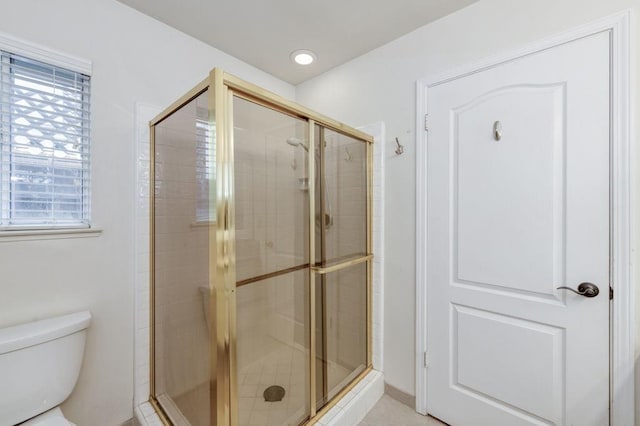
{"type": "Point", "coordinates": [33, 333]}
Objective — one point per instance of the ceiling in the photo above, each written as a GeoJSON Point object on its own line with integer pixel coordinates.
{"type": "Point", "coordinates": [263, 33]}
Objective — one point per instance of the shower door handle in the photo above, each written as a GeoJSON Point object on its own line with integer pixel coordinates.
{"type": "Point", "coordinates": [584, 289]}
{"type": "Point", "coordinates": [327, 218]}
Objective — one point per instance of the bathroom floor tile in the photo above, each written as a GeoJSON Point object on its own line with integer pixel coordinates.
{"type": "Point", "coordinates": [389, 412]}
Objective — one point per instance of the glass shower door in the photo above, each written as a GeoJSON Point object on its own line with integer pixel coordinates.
{"type": "Point", "coordinates": [272, 265]}
{"type": "Point", "coordinates": [261, 258]}
{"type": "Point", "coordinates": [182, 219]}
{"type": "Point", "coordinates": [342, 262]}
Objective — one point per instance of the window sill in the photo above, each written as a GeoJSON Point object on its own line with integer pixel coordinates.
{"type": "Point", "coordinates": [48, 234]}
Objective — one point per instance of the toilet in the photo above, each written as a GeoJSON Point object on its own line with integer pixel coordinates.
{"type": "Point", "coordinates": [39, 366]}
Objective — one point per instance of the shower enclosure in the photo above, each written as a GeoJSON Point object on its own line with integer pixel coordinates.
{"type": "Point", "coordinates": [261, 258]}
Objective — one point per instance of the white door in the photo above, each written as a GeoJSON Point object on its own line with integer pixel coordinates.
{"type": "Point", "coordinates": [511, 218]}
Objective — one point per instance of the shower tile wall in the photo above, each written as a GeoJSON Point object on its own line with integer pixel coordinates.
{"type": "Point", "coordinates": [345, 164]}
{"type": "Point", "coordinates": [182, 264]}
{"type": "Point", "coordinates": [144, 113]}
{"type": "Point", "coordinates": [271, 227]}
{"type": "Point", "coordinates": [270, 233]}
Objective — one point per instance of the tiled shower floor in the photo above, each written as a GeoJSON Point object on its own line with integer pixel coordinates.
{"type": "Point", "coordinates": [284, 366]}
{"type": "Point", "coordinates": [281, 365]}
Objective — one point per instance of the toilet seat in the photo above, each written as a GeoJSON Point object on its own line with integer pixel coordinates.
{"type": "Point", "coordinates": [53, 417]}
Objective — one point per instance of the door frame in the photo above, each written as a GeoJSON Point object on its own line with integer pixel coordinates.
{"type": "Point", "coordinates": [622, 209]}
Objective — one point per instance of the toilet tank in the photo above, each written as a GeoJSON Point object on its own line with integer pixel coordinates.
{"type": "Point", "coordinates": [39, 365]}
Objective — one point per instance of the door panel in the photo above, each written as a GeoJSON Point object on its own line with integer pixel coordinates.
{"type": "Point", "coordinates": [509, 221]}
{"type": "Point", "coordinates": [502, 342]}
{"type": "Point", "coordinates": [526, 168]}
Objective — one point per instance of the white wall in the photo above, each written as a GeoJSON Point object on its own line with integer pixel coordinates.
{"type": "Point", "coordinates": [380, 86]}
{"type": "Point", "coordinates": [135, 59]}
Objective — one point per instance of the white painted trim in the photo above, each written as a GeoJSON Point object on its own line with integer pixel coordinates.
{"type": "Point", "coordinates": [623, 186]}
{"type": "Point", "coordinates": [421, 248]}
{"type": "Point", "coordinates": [622, 204]}
{"type": "Point", "coordinates": [9, 43]}
{"type": "Point", "coordinates": [611, 22]}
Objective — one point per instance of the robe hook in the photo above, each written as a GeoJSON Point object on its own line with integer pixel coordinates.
{"type": "Point", "coordinates": [400, 148]}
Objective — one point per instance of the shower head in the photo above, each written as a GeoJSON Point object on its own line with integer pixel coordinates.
{"type": "Point", "coordinates": [297, 142]}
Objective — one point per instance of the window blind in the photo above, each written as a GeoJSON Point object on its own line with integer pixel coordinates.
{"type": "Point", "coordinates": [44, 145]}
{"type": "Point", "coordinates": [205, 167]}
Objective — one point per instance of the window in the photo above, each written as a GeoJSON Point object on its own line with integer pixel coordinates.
{"type": "Point", "coordinates": [44, 145]}
{"type": "Point", "coordinates": [205, 167]}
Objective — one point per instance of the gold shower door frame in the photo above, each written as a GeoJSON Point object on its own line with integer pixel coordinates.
{"type": "Point", "coordinates": [222, 87]}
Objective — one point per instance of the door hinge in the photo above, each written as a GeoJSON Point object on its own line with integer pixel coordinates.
{"type": "Point", "coordinates": [426, 122]}
{"type": "Point", "coordinates": [425, 359]}
{"type": "Point", "coordinates": [610, 293]}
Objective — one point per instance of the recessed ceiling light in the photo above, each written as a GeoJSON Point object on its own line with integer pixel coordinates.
{"type": "Point", "coordinates": [303, 57]}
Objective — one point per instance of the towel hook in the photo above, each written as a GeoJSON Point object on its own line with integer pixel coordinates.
{"type": "Point", "coordinates": [348, 157]}
{"type": "Point", "coordinates": [400, 148]}
{"type": "Point", "coordinates": [497, 130]}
